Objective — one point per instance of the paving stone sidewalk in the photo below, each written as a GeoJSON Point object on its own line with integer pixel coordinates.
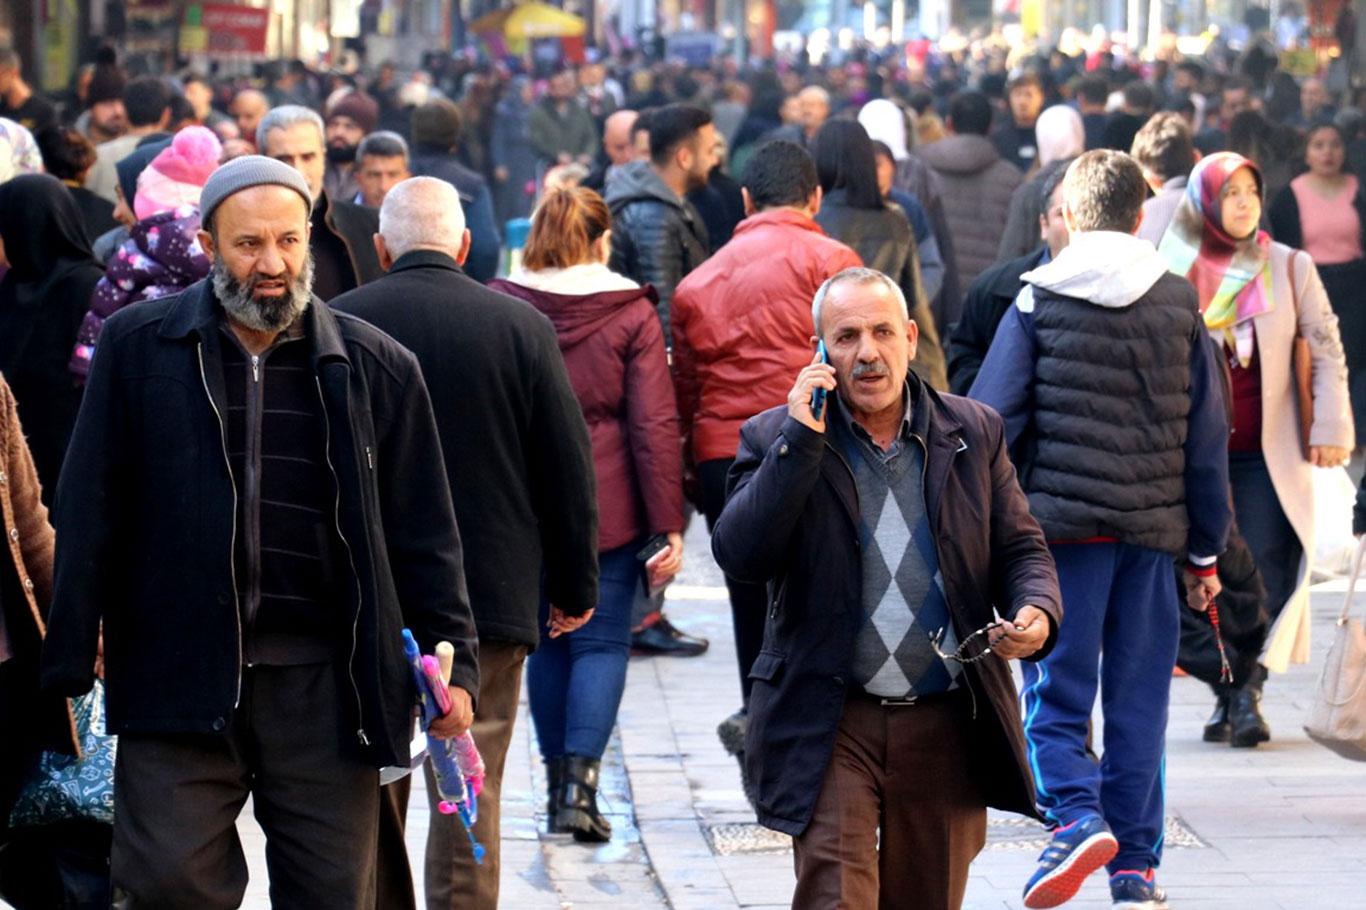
{"type": "Point", "coordinates": [1269, 828]}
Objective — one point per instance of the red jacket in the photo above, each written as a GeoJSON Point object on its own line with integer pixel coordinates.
{"type": "Point", "coordinates": [742, 325]}
{"type": "Point", "coordinates": [614, 350]}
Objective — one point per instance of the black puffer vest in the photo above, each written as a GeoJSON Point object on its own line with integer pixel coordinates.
{"type": "Point", "coordinates": [1111, 402]}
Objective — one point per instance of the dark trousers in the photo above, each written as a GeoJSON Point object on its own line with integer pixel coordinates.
{"type": "Point", "coordinates": [899, 818]}
{"type": "Point", "coordinates": [452, 878]}
{"type": "Point", "coordinates": [748, 601]}
{"type": "Point", "coordinates": [177, 798]}
{"type": "Point", "coordinates": [1271, 538]}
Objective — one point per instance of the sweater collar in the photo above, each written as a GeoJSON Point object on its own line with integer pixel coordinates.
{"type": "Point", "coordinates": [197, 312]}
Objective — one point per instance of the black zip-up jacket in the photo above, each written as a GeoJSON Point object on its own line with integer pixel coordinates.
{"type": "Point", "coordinates": [146, 518]}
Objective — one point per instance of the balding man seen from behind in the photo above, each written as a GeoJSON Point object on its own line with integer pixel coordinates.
{"type": "Point", "coordinates": [518, 458]}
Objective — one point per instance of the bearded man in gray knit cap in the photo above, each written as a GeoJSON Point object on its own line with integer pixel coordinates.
{"type": "Point", "coordinates": [256, 507]}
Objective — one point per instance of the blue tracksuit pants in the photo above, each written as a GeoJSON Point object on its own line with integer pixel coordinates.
{"type": "Point", "coordinates": [1120, 635]}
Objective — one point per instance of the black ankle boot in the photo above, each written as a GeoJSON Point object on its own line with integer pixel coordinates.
{"type": "Point", "coordinates": [1217, 728]}
{"type": "Point", "coordinates": [1245, 713]}
{"type": "Point", "coordinates": [554, 781]}
{"type": "Point", "coordinates": [578, 810]}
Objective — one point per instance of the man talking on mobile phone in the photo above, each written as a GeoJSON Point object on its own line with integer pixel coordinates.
{"type": "Point", "coordinates": [904, 571]}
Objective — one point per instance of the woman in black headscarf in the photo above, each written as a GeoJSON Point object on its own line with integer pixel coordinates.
{"type": "Point", "coordinates": [43, 298]}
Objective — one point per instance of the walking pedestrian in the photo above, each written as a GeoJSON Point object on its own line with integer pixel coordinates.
{"type": "Point", "coordinates": [340, 232]}
{"type": "Point", "coordinates": [1335, 238]}
{"type": "Point", "coordinates": [148, 103]}
{"type": "Point", "coordinates": [162, 254]}
{"type": "Point", "coordinates": [278, 473]}
{"type": "Point", "coordinates": [741, 327]}
{"type": "Point", "coordinates": [32, 861]}
{"type": "Point", "coordinates": [43, 298]}
{"type": "Point", "coordinates": [977, 184]}
{"type": "Point", "coordinates": [853, 212]}
{"type": "Point", "coordinates": [1165, 150]}
{"type": "Point", "coordinates": [1257, 298]}
{"type": "Point", "coordinates": [517, 458]}
{"type": "Point", "coordinates": [1104, 359]}
{"type": "Point", "coordinates": [349, 120]}
{"type": "Point", "coordinates": [436, 130]}
{"type": "Point", "coordinates": [614, 350]}
{"type": "Point", "coordinates": [992, 294]}
{"type": "Point", "coordinates": [879, 729]}
{"type": "Point", "coordinates": [514, 160]}
{"type": "Point", "coordinates": [68, 156]}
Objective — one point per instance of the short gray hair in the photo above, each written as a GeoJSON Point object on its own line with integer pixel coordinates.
{"type": "Point", "coordinates": [857, 275]}
{"type": "Point", "coordinates": [1104, 189]}
{"type": "Point", "coordinates": [383, 144]}
{"type": "Point", "coordinates": [284, 117]}
{"type": "Point", "coordinates": [421, 213]}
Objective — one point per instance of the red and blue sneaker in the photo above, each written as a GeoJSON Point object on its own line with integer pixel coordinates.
{"type": "Point", "coordinates": [1075, 852]}
{"type": "Point", "coordinates": [1134, 890]}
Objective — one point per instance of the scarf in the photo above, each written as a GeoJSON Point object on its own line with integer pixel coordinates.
{"type": "Point", "coordinates": [1232, 277]}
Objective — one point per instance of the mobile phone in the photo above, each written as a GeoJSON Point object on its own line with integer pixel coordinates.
{"type": "Point", "coordinates": [653, 547]}
{"type": "Point", "coordinates": [818, 396]}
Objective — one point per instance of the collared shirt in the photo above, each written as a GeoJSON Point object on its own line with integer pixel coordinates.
{"type": "Point", "coordinates": [898, 443]}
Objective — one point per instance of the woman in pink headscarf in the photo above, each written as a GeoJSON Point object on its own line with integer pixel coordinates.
{"type": "Point", "coordinates": [1257, 297]}
{"type": "Point", "coordinates": [162, 255]}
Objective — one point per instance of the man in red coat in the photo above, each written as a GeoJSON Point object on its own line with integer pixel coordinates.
{"type": "Point", "coordinates": [741, 327]}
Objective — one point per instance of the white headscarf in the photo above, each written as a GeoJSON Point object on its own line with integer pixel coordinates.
{"type": "Point", "coordinates": [885, 122]}
{"type": "Point", "coordinates": [1059, 133]}
{"type": "Point", "coordinates": [18, 151]}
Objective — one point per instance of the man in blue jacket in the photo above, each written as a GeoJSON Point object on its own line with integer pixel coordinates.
{"type": "Point", "coordinates": [1125, 441]}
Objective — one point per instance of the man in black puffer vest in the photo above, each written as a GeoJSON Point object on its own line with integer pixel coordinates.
{"type": "Point", "coordinates": [1125, 467]}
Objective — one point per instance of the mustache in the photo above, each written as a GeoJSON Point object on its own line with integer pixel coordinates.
{"type": "Point", "coordinates": [877, 368]}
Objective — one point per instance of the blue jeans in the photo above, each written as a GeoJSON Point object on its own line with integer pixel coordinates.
{"type": "Point", "coordinates": [574, 682]}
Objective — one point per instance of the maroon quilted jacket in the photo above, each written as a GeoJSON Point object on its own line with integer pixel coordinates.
{"type": "Point", "coordinates": [614, 349]}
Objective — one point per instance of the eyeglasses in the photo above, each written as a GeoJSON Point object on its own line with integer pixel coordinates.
{"type": "Point", "coordinates": [964, 653]}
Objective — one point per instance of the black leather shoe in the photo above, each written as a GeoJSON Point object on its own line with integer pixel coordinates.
{"type": "Point", "coordinates": [1217, 728]}
{"type": "Point", "coordinates": [1249, 728]}
{"type": "Point", "coordinates": [578, 811]}
{"type": "Point", "coordinates": [662, 639]}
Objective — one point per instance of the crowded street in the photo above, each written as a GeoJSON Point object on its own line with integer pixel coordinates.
{"type": "Point", "coordinates": [707, 454]}
{"type": "Point", "coordinates": [1256, 833]}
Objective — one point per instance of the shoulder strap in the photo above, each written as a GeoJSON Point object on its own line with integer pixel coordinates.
{"type": "Point", "coordinates": [1352, 582]}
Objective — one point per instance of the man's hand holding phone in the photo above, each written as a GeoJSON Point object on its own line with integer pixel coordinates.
{"type": "Point", "coordinates": [818, 374]}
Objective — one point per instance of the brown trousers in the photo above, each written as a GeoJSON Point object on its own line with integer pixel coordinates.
{"type": "Point", "coordinates": [899, 818]}
{"type": "Point", "coordinates": [452, 878]}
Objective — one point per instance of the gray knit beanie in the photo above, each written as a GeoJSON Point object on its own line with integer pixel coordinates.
{"type": "Point", "coordinates": [244, 173]}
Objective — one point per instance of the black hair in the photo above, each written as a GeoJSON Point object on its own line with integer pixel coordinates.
{"type": "Point", "coordinates": [1093, 89]}
{"type": "Point", "coordinates": [779, 173]}
{"type": "Point", "coordinates": [145, 99]}
{"type": "Point", "coordinates": [970, 113]}
{"type": "Point", "coordinates": [671, 126]}
{"type": "Point", "coordinates": [182, 111]}
{"type": "Point", "coordinates": [845, 161]}
{"type": "Point", "coordinates": [1140, 95]}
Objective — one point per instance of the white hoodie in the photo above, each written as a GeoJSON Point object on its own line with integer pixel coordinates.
{"type": "Point", "coordinates": [1107, 268]}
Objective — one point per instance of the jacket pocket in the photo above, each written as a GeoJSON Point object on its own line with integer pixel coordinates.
{"type": "Point", "coordinates": [768, 666]}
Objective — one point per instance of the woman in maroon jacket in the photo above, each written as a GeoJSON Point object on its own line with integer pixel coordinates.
{"type": "Point", "coordinates": [614, 349]}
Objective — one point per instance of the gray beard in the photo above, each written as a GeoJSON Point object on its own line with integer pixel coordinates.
{"type": "Point", "coordinates": [271, 315]}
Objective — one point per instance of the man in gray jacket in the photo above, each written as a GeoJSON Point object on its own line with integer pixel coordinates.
{"type": "Point", "coordinates": [977, 183]}
{"type": "Point", "coordinates": [1165, 150]}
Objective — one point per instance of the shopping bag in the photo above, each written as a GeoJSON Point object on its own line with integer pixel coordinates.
{"type": "Point", "coordinates": [1337, 718]}
{"type": "Point", "coordinates": [64, 787]}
